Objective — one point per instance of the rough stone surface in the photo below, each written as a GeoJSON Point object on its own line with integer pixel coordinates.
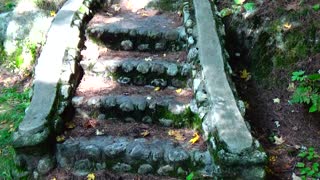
{"type": "Point", "coordinates": [127, 45]}
{"type": "Point", "coordinates": [143, 67]}
{"type": "Point", "coordinates": [224, 115]}
{"type": "Point", "coordinates": [143, 47]}
{"type": "Point", "coordinates": [166, 122]}
{"type": "Point", "coordinates": [145, 169]}
{"type": "Point", "coordinates": [45, 165]}
{"type": "Point", "coordinates": [121, 167]}
{"type": "Point", "coordinates": [128, 66]}
{"type": "Point", "coordinates": [4, 21]}
{"type": "Point", "coordinates": [165, 170]}
{"type": "Point", "coordinates": [172, 70]}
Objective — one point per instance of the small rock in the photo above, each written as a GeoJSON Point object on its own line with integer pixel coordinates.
{"type": "Point", "coordinates": [139, 80]}
{"type": "Point", "coordinates": [140, 151]}
{"type": "Point", "coordinates": [182, 33]}
{"type": "Point", "coordinates": [127, 66]}
{"type": "Point", "coordinates": [189, 23]}
{"type": "Point", "coordinates": [140, 103]}
{"type": "Point", "coordinates": [94, 101]}
{"type": "Point", "coordinates": [125, 104]}
{"type": "Point", "coordinates": [190, 40]}
{"type": "Point", "coordinates": [196, 83]}
{"type": "Point", "coordinates": [127, 45]}
{"type": "Point", "coordinates": [192, 54]}
{"type": "Point", "coordinates": [158, 68]}
{"type": "Point", "coordinates": [159, 83]}
{"type": "Point", "coordinates": [166, 122]}
{"type": "Point", "coordinates": [186, 70]}
{"type": "Point", "coordinates": [181, 172]}
{"type": "Point", "coordinates": [110, 101]}
{"type": "Point", "coordinates": [194, 106]}
{"type": "Point", "coordinates": [143, 67]}
{"type": "Point", "coordinates": [190, 31]}
{"type": "Point", "coordinates": [143, 47]}
{"type": "Point", "coordinates": [45, 165]}
{"type": "Point", "coordinates": [77, 101]}
{"type": "Point", "coordinates": [65, 91]}
{"type": "Point", "coordinates": [178, 155]}
{"type": "Point", "coordinates": [147, 119]}
{"type": "Point", "coordinates": [122, 167]}
{"type": "Point", "coordinates": [124, 80]}
{"type": "Point", "coordinates": [165, 170]}
{"type": "Point", "coordinates": [145, 169]}
{"type": "Point", "coordinates": [115, 149]}
{"type": "Point", "coordinates": [203, 111]}
{"type": "Point", "coordinates": [177, 83]}
{"type": "Point", "coordinates": [172, 35]}
{"type": "Point", "coordinates": [201, 96]}
{"type": "Point", "coordinates": [172, 70]}
{"type": "Point", "coordinates": [101, 117]}
{"type": "Point", "coordinates": [82, 167]}
{"type": "Point", "coordinates": [160, 46]}
{"type": "Point", "coordinates": [91, 151]}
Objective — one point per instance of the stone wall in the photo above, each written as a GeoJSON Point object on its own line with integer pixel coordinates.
{"type": "Point", "coordinates": [56, 77]}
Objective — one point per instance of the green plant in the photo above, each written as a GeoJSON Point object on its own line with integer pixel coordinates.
{"type": "Point", "coordinates": [309, 166]}
{"type": "Point", "coordinates": [12, 108]}
{"type": "Point", "coordinates": [236, 8]}
{"type": "Point", "coordinates": [308, 90]}
{"type": "Point", "coordinates": [190, 176]}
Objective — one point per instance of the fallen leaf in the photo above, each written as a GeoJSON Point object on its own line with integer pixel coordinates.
{"type": "Point", "coordinates": [176, 134]}
{"type": "Point", "coordinates": [287, 26]}
{"type": "Point", "coordinates": [54, 178]}
{"type": "Point", "coordinates": [278, 140]}
{"type": "Point", "coordinates": [91, 176]}
{"type": "Point", "coordinates": [60, 138]}
{"type": "Point", "coordinates": [148, 59]}
{"type": "Point", "coordinates": [179, 90]}
{"type": "Point", "coordinates": [292, 6]}
{"type": "Point", "coordinates": [164, 55]}
{"type": "Point", "coordinates": [291, 87]}
{"type": "Point", "coordinates": [145, 133]}
{"type": "Point", "coordinates": [195, 138]}
{"type": "Point", "coordinates": [157, 89]}
{"type": "Point", "coordinates": [99, 133]}
{"type": "Point", "coordinates": [272, 159]}
{"type": "Point", "coordinates": [92, 123]}
{"type": "Point", "coordinates": [244, 74]}
{"type": "Point", "coordinates": [52, 13]}
{"type": "Point", "coordinates": [3, 122]}
{"type": "Point", "coordinates": [144, 15]}
{"type": "Point", "coordinates": [11, 128]}
{"type": "Point", "coordinates": [295, 177]}
{"type": "Point", "coordinates": [70, 125]}
{"type": "Point", "coordinates": [246, 104]}
{"type": "Point", "coordinates": [276, 100]}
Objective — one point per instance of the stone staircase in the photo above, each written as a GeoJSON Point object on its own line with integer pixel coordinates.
{"type": "Point", "coordinates": [135, 92]}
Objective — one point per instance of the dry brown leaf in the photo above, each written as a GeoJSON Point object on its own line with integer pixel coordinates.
{"type": "Point", "coordinates": [92, 123]}
{"type": "Point", "coordinates": [145, 133]}
{"type": "Point", "coordinates": [70, 125]}
{"type": "Point", "coordinates": [176, 134]}
{"type": "Point", "coordinates": [278, 140]}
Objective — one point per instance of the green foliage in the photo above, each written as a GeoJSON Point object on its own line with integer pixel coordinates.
{"type": "Point", "coordinates": [308, 90]}
{"type": "Point", "coordinates": [190, 176]}
{"type": "Point", "coordinates": [12, 106]}
{"type": "Point", "coordinates": [249, 6]}
{"type": "Point", "coordinates": [309, 167]}
{"type": "Point", "coordinates": [7, 5]}
{"type": "Point", "coordinates": [236, 8]}
{"type": "Point", "coordinates": [316, 7]}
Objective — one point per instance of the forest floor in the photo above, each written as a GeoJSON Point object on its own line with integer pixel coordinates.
{"type": "Point", "coordinates": [284, 129]}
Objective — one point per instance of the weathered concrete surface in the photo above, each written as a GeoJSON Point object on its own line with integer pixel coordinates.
{"type": "Point", "coordinates": [47, 73]}
{"type": "Point", "coordinates": [224, 115]}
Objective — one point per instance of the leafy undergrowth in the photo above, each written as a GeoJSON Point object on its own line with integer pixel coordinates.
{"type": "Point", "coordinates": [12, 109]}
{"type": "Point", "coordinates": [7, 5]}
{"type": "Point", "coordinates": [267, 42]}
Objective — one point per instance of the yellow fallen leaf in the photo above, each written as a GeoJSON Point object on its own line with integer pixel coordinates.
{"type": "Point", "coordinates": [144, 14]}
{"type": "Point", "coordinates": [60, 138]}
{"type": "Point", "coordinates": [287, 26]}
{"type": "Point", "coordinates": [157, 89]}
{"type": "Point", "coordinates": [11, 128]}
{"type": "Point", "coordinates": [276, 100]}
{"type": "Point", "coordinates": [52, 13]}
{"type": "Point", "coordinates": [179, 90]}
{"type": "Point", "coordinates": [91, 176]}
{"type": "Point", "coordinates": [244, 74]}
{"type": "Point", "coordinates": [195, 138]}
{"type": "Point", "coordinates": [145, 133]}
{"type": "Point", "coordinates": [70, 125]}
{"type": "Point", "coordinates": [291, 87]}
{"type": "Point", "coordinates": [176, 134]}
{"type": "Point", "coordinates": [278, 140]}
{"type": "Point", "coordinates": [54, 178]}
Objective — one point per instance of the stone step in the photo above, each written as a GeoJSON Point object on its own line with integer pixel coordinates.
{"type": "Point", "coordinates": [163, 107]}
{"type": "Point", "coordinates": [148, 155]}
{"type": "Point", "coordinates": [143, 30]}
{"type": "Point", "coordinates": [141, 72]}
